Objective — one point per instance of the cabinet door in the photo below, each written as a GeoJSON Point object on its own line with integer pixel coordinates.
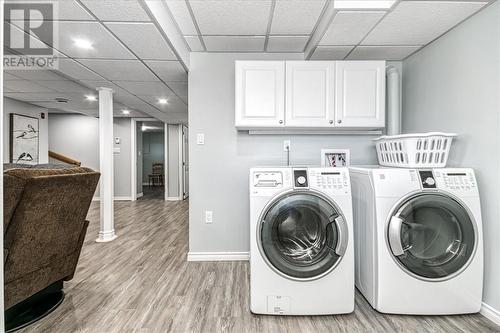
{"type": "Point", "coordinates": [310, 94]}
{"type": "Point", "coordinates": [360, 94]}
{"type": "Point", "coordinates": [260, 94]}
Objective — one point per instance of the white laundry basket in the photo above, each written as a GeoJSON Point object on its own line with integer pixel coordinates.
{"type": "Point", "coordinates": [420, 150]}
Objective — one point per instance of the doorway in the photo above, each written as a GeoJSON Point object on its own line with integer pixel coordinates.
{"type": "Point", "coordinates": [151, 166]}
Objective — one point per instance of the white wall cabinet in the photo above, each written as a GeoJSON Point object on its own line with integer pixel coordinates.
{"type": "Point", "coordinates": [260, 94]}
{"type": "Point", "coordinates": [310, 94]}
{"type": "Point", "coordinates": [360, 93]}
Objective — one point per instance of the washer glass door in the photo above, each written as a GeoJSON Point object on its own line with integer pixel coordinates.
{"type": "Point", "coordinates": [303, 235]}
{"type": "Point", "coordinates": [432, 236]}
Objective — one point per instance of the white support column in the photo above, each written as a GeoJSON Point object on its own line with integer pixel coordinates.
{"type": "Point", "coordinates": [107, 230]}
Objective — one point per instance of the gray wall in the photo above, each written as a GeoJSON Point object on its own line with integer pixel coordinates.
{"type": "Point", "coordinates": [453, 85]}
{"type": "Point", "coordinates": [153, 151]}
{"type": "Point", "coordinates": [123, 160]}
{"type": "Point", "coordinates": [139, 166]}
{"type": "Point", "coordinates": [173, 161]}
{"type": "Point", "coordinates": [14, 106]}
{"type": "Point", "coordinates": [219, 169]}
{"type": "Point", "coordinates": [77, 136]}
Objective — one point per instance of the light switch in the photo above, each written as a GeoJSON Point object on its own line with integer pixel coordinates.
{"type": "Point", "coordinates": [200, 139]}
{"type": "Point", "coordinates": [208, 216]}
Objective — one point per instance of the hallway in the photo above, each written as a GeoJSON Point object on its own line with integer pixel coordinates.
{"type": "Point", "coordinates": [141, 282]}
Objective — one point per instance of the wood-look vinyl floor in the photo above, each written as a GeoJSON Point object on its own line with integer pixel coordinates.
{"type": "Point", "coordinates": [141, 282]}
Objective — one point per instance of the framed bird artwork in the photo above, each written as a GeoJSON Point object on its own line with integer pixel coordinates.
{"type": "Point", "coordinates": [24, 136]}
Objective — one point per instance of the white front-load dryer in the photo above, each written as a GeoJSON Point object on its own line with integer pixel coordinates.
{"type": "Point", "coordinates": [418, 236]}
{"type": "Point", "coordinates": [301, 243]}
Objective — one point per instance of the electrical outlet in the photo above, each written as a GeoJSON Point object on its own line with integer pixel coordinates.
{"type": "Point", "coordinates": [286, 145]}
{"type": "Point", "coordinates": [208, 216]}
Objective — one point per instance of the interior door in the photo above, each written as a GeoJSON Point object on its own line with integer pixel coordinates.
{"type": "Point", "coordinates": [310, 94]}
{"type": "Point", "coordinates": [360, 94]}
{"type": "Point", "coordinates": [432, 236]}
{"type": "Point", "coordinates": [302, 235]}
{"type": "Point", "coordinates": [185, 161]}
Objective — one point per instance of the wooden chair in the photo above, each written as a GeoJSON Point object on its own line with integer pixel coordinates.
{"type": "Point", "coordinates": [156, 178]}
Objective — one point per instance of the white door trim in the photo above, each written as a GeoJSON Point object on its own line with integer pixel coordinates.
{"type": "Point", "coordinates": [181, 171]}
{"type": "Point", "coordinates": [166, 168]}
{"type": "Point", "coordinates": [133, 155]}
{"type": "Point", "coordinates": [133, 172]}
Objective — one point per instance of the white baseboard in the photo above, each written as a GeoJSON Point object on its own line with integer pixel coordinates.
{"type": "Point", "coordinates": [118, 198]}
{"type": "Point", "coordinates": [491, 313]}
{"type": "Point", "coordinates": [174, 198]}
{"type": "Point", "coordinates": [218, 256]}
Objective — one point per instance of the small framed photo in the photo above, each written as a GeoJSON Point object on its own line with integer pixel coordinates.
{"type": "Point", "coordinates": [335, 157]}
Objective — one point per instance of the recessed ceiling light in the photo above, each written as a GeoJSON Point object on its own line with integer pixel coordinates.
{"type": "Point", "coordinates": [363, 4]}
{"type": "Point", "coordinates": [91, 98]}
{"type": "Point", "coordinates": [162, 101]}
{"type": "Point", "coordinates": [82, 43]}
{"type": "Point", "coordinates": [125, 111]}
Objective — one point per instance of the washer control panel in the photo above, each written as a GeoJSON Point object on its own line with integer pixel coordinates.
{"type": "Point", "coordinates": [427, 179]}
{"type": "Point", "coordinates": [300, 178]}
{"type": "Point", "coordinates": [456, 180]}
{"type": "Point", "coordinates": [331, 179]}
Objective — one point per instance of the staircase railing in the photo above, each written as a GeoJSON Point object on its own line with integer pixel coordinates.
{"type": "Point", "coordinates": [64, 158]}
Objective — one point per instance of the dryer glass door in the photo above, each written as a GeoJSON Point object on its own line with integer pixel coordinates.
{"type": "Point", "coordinates": [432, 236]}
{"type": "Point", "coordinates": [303, 235]}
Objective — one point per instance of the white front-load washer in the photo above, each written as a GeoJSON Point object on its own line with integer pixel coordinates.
{"type": "Point", "coordinates": [301, 241]}
{"type": "Point", "coordinates": [418, 236]}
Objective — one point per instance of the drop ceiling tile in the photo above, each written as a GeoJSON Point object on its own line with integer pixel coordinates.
{"type": "Point", "coordinates": [117, 10]}
{"type": "Point", "coordinates": [420, 22]}
{"type": "Point", "coordinates": [194, 43]}
{"type": "Point", "coordinates": [145, 88]}
{"type": "Point", "coordinates": [168, 70]}
{"type": "Point", "coordinates": [381, 52]}
{"type": "Point", "coordinates": [104, 45]}
{"type": "Point", "coordinates": [9, 77]}
{"type": "Point", "coordinates": [18, 35]}
{"type": "Point", "coordinates": [27, 86]}
{"type": "Point", "coordinates": [181, 89]}
{"type": "Point", "coordinates": [231, 17]}
{"type": "Point", "coordinates": [180, 12]}
{"type": "Point", "coordinates": [64, 86]}
{"type": "Point", "coordinates": [103, 83]}
{"type": "Point", "coordinates": [72, 10]}
{"type": "Point", "coordinates": [296, 16]}
{"type": "Point", "coordinates": [143, 39]}
{"type": "Point", "coordinates": [35, 74]}
{"type": "Point", "coordinates": [74, 98]}
{"type": "Point", "coordinates": [349, 27]}
{"type": "Point", "coordinates": [287, 43]}
{"type": "Point", "coordinates": [76, 71]}
{"type": "Point", "coordinates": [175, 104]}
{"type": "Point", "coordinates": [116, 70]}
{"type": "Point", "coordinates": [234, 43]}
{"type": "Point", "coordinates": [331, 52]}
